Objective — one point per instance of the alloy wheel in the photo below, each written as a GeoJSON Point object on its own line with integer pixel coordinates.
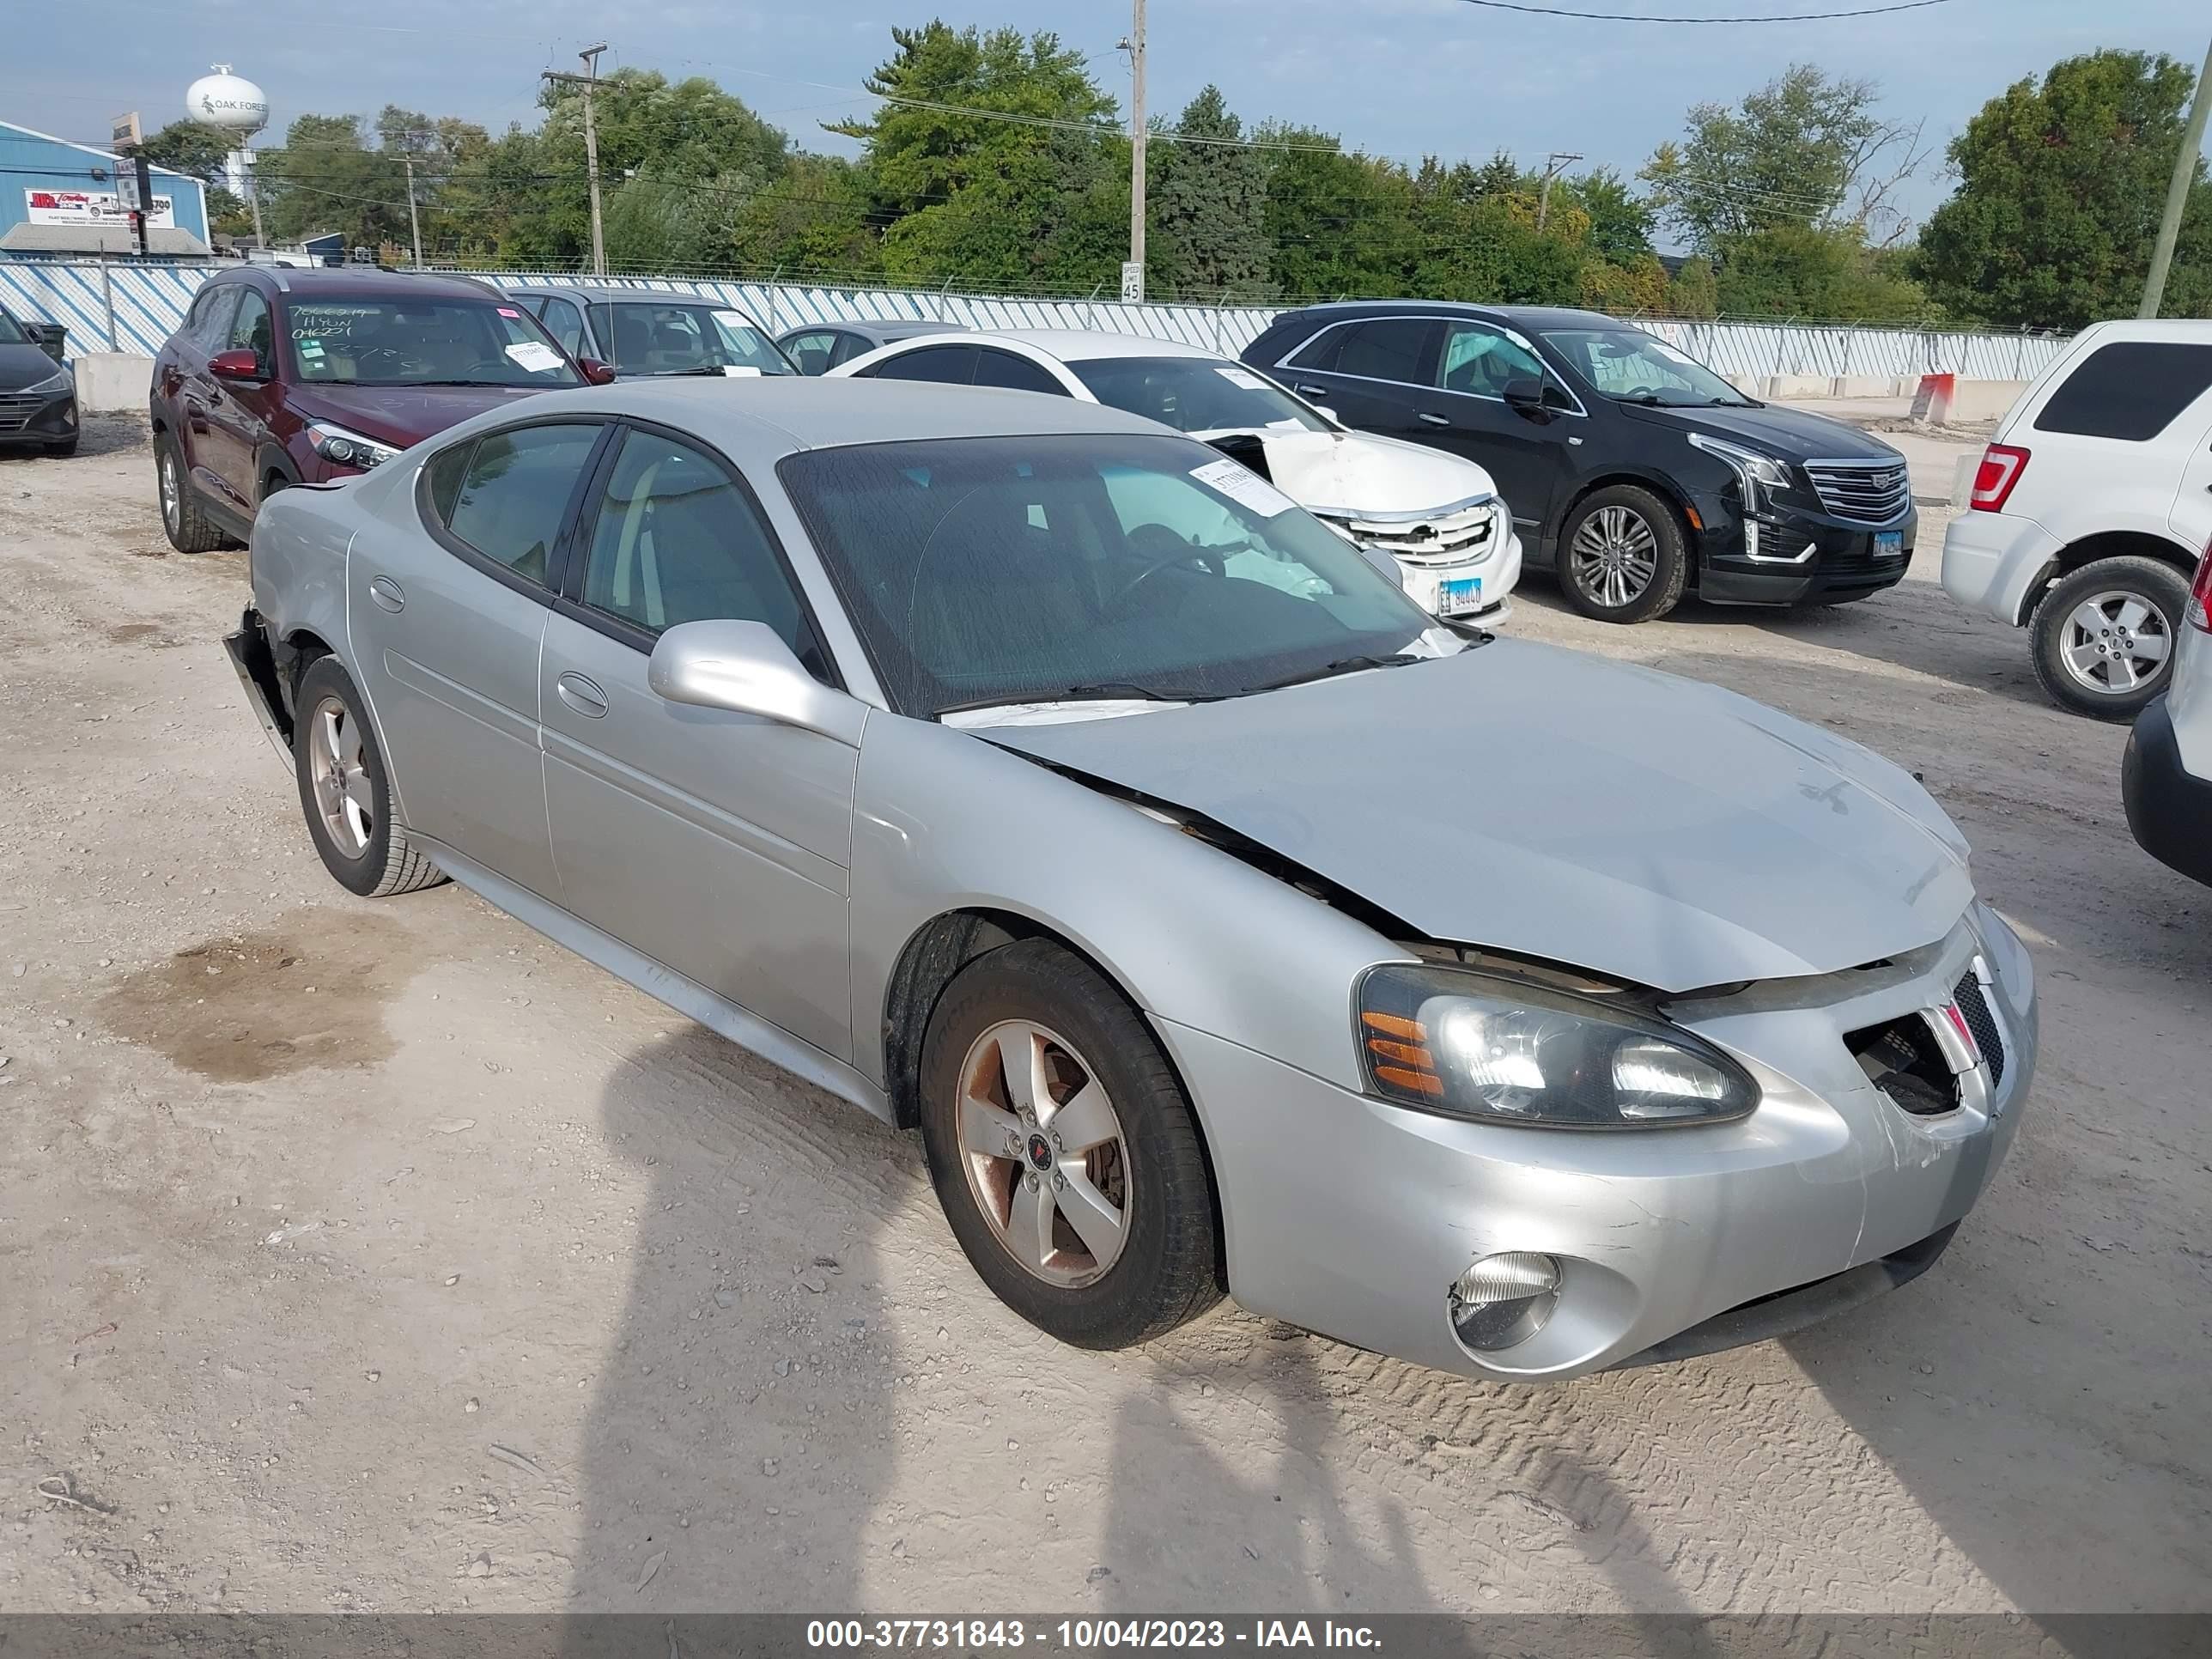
{"type": "Point", "coordinates": [2116, 643]}
{"type": "Point", "coordinates": [1046, 1159]}
{"type": "Point", "coordinates": [1614, 557]}
{"type": "Point", "coordinates": [171, 504]}
{"type": "Point", "coordinates": [338, 768]}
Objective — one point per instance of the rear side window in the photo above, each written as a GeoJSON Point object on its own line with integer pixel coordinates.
{"type": "Point", "coordinates": [2131, 390]}
{"type": "Point", "coordinates": [951, 365]}
{"type": "Point", "coordinates": [1382, 349]}
{"type": "Point", "coordinates": [446, 472]}
{"type": "Point", "coordinates": [515, 490]}
{"type": "Point", "coordinates": [1016, 373]}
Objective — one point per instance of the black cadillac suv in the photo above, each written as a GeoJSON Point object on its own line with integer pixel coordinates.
{"type": "Point", "coordinates": [1633, 473]}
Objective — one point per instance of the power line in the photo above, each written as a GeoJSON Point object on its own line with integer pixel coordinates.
{"type": "Point", "coordinates": [1646, 17]}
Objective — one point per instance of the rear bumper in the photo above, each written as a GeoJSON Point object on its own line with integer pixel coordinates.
{"type": "Point", "coordinates": [1996, 562]}
{"type": "Point", "coordinates": [255, 664]}
{"type": "Point", "coordinates": [2169, 809]}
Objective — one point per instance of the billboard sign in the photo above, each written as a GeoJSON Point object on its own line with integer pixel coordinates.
{"type": "Point", "coordinates": [83, 207]}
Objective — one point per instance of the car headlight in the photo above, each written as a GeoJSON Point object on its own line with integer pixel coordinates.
{"type": "Point", "coordinates": [1752, 469]}
{"type": "Point", "coordinates": [59, 380]}
{"type": "Point", "coordinates": [1482, 1046]}
{"type": "Point", "coordinates": [336, 444]}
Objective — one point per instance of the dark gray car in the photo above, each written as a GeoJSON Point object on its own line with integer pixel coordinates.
{"type": "Point", "coordinates": [38, 395]}
{"type": "Point", "coordinates": [820, 347]}
{"type": "Point", "coordinates": [651, 331]}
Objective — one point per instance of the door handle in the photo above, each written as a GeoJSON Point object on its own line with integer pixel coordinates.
{"type": "Point", "coordinates": [1310, 391]}
{"type": "Point", "coordinates": [581, 695]}
{"type": "Point", "coordinates": [387, 592]}
{"type": "Point", "coordinates": [1435, 419]}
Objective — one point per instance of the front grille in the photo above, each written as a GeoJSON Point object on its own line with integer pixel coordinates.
{"type": "Point", "coordinates": [1452, 539]}
{"type": "Point", "coordinates": [1865, 492]}
{"type": "Point", "coordinates": [1974, 1005]}
{"type": "Point", "coordinates": [16, 408]}
{"type": "Point", "coordinates": [1902, 1059]}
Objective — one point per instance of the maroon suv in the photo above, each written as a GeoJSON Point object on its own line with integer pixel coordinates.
{"type": "Point", "coordinates": [279, 377]}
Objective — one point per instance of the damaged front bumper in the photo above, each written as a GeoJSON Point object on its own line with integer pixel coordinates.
{"type": "Point", "coordinates": [1354, 1218]}
{"type": "Point", "coordinates": [255, 661]}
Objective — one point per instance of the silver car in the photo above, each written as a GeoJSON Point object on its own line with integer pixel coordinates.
{"type": "Point", "coordinates": [954, 748]}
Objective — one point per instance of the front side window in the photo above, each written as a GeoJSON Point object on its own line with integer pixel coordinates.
{"type": "Point", "coordinates": [2131, 390]}
{"type": "Point", "coordinates": [984, 571]}
{"type": "Point", "coordinates": [11, 333]}
{"type": "Point", "coordinates": [251, 331]}
{"type": "Point", "coordinates": [814, 353]}
{"type": "Point", "coordinates": [1194, 394]}
{"type": "Point", "coordinates": [421, 342]}
{"type": "Point", "coordinates": [1632, 366]}
{"type": "Point", "coordinates": [676, 540]}
{"type": "Point", "coordinates": [209, 323]}
{"type": "Point", "coordinates": [1481, 361]}
{"type": "Point", "coordinates": [945, 365]}
{"type": "Point", "coordinates": [511, 498]}
{"type": "Point", "coordinates": [658, 337]}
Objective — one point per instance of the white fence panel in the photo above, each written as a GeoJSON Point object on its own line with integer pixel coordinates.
{"type": "Point", "coordinates": [134, 305]}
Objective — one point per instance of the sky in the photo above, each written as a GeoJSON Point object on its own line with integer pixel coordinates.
{"type": "Point", "coordinates": [1400, 78]}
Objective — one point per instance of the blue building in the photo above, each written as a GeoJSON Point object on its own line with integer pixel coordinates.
{"type": "Point", "coordinates": [57, 198]}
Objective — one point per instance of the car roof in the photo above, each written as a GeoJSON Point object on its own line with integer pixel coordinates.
{"type": "Point", "coordinates": [758, 420]}
{"type": "Point", "coordinates": [1081, 345]}
{"type": "Point", "coordinates": [360, 282]}
{"type": "Point", "coordinates": [884, 330]}
{"type": "Point", "coordinates": [1527, 317]}
{"type": "Point", "coordinates": [611, 293]}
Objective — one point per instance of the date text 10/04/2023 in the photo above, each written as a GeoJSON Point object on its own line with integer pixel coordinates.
{"type": "Point", "coordinates": [1086, 1634]}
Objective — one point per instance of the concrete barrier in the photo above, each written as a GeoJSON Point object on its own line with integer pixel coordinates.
{"type": "Point", "coordinates": [112, 382]}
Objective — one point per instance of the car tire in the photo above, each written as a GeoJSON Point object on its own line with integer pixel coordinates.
{"type": "Point", "coordinates": [343, 791]}
{"type": "Point", "coordinates": [64, 450]}
{"type": "Point", "coordinates": [2087, 635]}
{"type": "Point", "coordinates": [1623, 555]}
{"type": "Point", "coordinates": [183, 519]}
{"type": "Point", "coordinates": [1104, 1074]}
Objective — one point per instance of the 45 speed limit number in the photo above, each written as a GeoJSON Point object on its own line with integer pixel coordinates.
{"type": "Point", "coordinates": [1086, 1634]}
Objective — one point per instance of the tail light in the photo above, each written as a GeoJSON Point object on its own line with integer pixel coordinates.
{"type": "Point", "coordinates": [2200, 595]}
{"type": "Point", "coordinates": [2002, 466]}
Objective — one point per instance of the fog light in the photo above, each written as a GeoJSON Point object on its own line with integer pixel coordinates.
{"type": "Point", "coordinates": [1504, 1299]}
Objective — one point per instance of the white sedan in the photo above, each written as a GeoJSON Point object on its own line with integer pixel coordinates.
{"type": "Point", "coordinates": [1438, 516]}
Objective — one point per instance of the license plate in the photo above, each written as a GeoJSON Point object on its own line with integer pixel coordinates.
{"type": "Point", "coordinates": [1459, 597]}
{"type": "Point", "coordinates": [1889, 544]}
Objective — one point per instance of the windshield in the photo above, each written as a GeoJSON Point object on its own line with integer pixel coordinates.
{"type": "Point", "coordinates": [427, 342]}
{"type": "Point", "coordinates": [983, 571]}
{"type": "Point", "coordinates": [658, 338]}
{"type": "Point", "coordinates": [1192, 394]}
{"type": "Point", "coordinates": [1633, 366]}
{"type": "Point", "coordinates": [9, 333]}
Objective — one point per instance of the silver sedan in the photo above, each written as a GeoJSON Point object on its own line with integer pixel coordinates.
{"type": "Point", "coordinates": [970, 754]}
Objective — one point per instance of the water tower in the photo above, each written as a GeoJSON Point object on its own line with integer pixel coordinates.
{"type": "Point", "coordinates": [232, 104]}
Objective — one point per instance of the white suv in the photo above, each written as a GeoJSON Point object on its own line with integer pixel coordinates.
{"type": "Point", "coordinates": [2090, 508]}
{"type": "Point", "coordinates": [2167, 778]}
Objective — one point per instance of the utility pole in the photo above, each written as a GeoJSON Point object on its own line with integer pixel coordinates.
{"type": "Point", "coordinates": [414, 224]}
{"type": "Point", "coordinates": [2176, 192]}
{"type": "Point", "coordinates": [1133, 274]}
{"type": "Point", "coordinates": [1553, 164]}
{"type": "Point", "coordinates": [589, 80]}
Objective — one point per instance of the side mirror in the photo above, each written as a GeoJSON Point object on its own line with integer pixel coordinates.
{"type": "Point", "coordinates": [596, 373]}
{"type": "Point", "coordinates": [745, 668]}
{"type": "Point", "coordinates": [1525, 393]}
{"type": "Point", "coordinates": [1328, 414]}
{"type": "Point", "coordinates": [239, 365]}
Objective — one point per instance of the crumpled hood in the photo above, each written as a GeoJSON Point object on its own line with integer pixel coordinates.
{"type": "Point", "coordinates": [400, 415]}
{"type": "Point", "coordinates": [1539, 801]}
{"type": "Point", "coordinates": [1341, 472]}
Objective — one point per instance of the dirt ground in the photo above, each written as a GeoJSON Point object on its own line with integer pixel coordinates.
{"type": "Point", "coordinates": [379, 1256]}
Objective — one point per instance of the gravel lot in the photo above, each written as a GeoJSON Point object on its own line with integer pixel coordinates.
{"type": "Point", "coordinates": [379, 1256]}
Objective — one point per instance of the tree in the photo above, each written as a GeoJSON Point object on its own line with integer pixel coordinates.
{"type": "Point", "coordinates": [1806, 149]}
{"type": "Point", "coordinates": [1208, 232]}
{"type": "Point", "coordinates": [1619, 219]}
{"type": "Point", "coordinates": [1801, 271]}
{"type": "Point", "coordinates": [200, 152]}
{"type": "Point", "coordinates": [1694, 293]}
{"type": "Point", "coordinates": [1337, 222]}
{"type": "Point", "coordinates": [325, 178]}
{"type": "Point", "coordinates": [2061, 185]}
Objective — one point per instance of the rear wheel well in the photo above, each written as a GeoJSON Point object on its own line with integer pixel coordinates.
{"type": "Point", "coordinates": [295, 653]}
{"type": "Point", "coordinates": [2107, 544]}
